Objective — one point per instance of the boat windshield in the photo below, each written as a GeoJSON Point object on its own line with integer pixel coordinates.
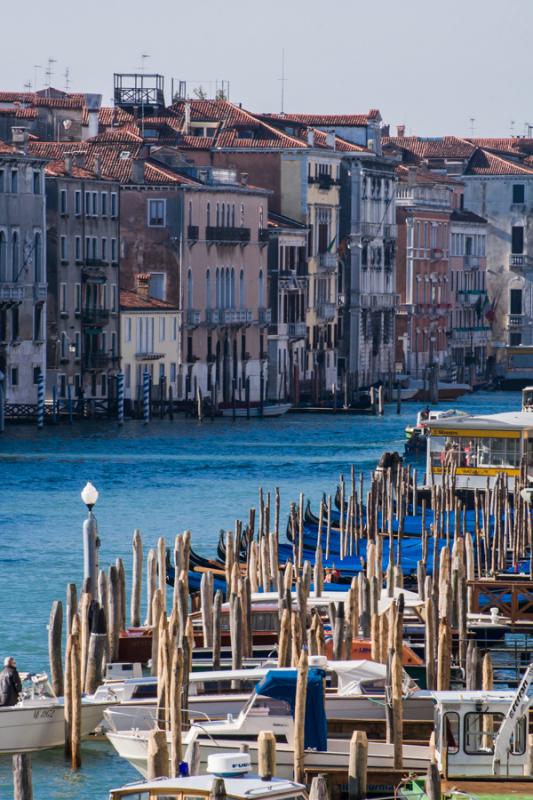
{"type": "Point", "coordinates": [467, 452]}
{"type": "Point", "coordinates": [261, 706]}
{"type": "Point", "coordinates": [34, 686]}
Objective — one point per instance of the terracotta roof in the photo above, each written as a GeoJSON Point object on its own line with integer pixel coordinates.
{"type": "Point", "coordinates": [108, 115]}
{"type": "Point", "coordinates": [196, 142]}
{"type": "Point", "coordinates": [6, 148]}
{"type": "Point", "coordinates": [484, 162]}
{"type": "Point", "coordinates": [439, 147]}
{"type": "Point", "coordinates": [324, 120]}
{"type": "Point", "coordinates": [126, 133]}
{"type": "Point", "coordinates": [19, 112]}
{"type": "Point", "coordinates": [139, 302]}
{"type": "Point", "coordinates": [463, 215]}
{"type": "Point", "coordinates": [212, 111]}
{"type": "Point", "coordinates": [55, 169]}
{"type": "Point", "coordinates": [426, 176]}
{"type": "Point", "coordinates": [340, 144]}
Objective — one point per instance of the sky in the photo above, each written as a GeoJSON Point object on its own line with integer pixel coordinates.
{"type": "Point", "coordinates": [459, 67]}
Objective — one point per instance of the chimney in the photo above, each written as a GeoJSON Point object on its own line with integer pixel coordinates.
{"type": "Point", "coordinates": [19, 137]}
{"type": "Point", "coordinates": [330, 139]}
{"type": "Point", "coordinates": [187, 120]}
{"type": "Point", "coordinates": [244, 179]}
{"type": "Point", "coordinates": [98, 165]}
{"type": "Point", "coordinates": [411, 175]}
{"type": "Point", "coordinates": [137, 171]}
{"type": "Point", "coordinates": [385, 130]}
{"type": "Point", "coordinates": [310, 137]}
{"type": "Point", "coordinates": [68, 164]}
{"type": "Point", "coordinates": [78, 158]}
{"type": "Point", "coordinates": [93, 103]}
{"type": "Point", "coordinates": [400, 131]}
{"type": "Point", "coordinates": [143, 284]}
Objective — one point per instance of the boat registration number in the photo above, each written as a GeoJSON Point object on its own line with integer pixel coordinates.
{"type": "Point", "coordinates": [44, 713]}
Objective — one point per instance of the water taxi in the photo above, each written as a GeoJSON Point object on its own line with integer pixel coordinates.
{"type": "Point", "coordinates": [481, 447]}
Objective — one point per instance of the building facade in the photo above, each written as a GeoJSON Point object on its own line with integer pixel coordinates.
{"type": "Point", "coordinates": [83, 236]}
{"type": "Point", "coordinates": [22, 272]}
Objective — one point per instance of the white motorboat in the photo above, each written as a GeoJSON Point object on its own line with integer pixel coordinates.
{"type": "Point", "coordinates": [271, 707]}
{"type": "Point", "coordinates": [239, 784]}
{"type": "Point", "coordinates": [37, 721]}
{"type": "Point", "coordinates": [269, 410]}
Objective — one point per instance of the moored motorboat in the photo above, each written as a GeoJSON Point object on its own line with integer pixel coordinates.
{"type": "Point", "coordinates": [255, 409]}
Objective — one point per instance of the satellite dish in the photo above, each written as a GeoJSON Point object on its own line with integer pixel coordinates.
{"type": "Point", "coordinates": [67, 124]}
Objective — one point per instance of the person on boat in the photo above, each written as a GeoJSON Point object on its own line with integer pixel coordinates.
{"type": "Point", "coordinates": [10, 683]}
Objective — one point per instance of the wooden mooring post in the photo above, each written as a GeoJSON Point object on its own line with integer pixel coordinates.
{"type": "Point", "coordinates": [22, 777]}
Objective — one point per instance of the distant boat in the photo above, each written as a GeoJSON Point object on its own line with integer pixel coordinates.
{"type": "Point", "coordinates": [254, 410]}
{"type": "Point", "coordinates": [416, 389]}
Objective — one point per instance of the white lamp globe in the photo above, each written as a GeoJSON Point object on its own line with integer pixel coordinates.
{"type": "Point", "coordinates": [89, 495]}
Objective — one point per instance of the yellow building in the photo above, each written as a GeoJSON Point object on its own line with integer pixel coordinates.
{"type": "Point", "coordinates": [150, 340]}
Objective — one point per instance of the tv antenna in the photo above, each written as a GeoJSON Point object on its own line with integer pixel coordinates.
{"type": "Point", "coordinates": [36, 69]}
{"type": "Point", "coordinates": [67, 80]}
{"type": "Point", "coordinates": [472, 126]}
{"type": "Point", "coordinates": [49, 73]}
{"type": "Point", "coordinates": [282, 80]}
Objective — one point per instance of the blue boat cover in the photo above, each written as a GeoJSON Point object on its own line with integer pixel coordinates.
{"type": "Point", "coordinates": [280, 684]}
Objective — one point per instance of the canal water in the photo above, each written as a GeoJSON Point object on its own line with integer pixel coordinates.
{"type": "Point", "coordinates": [163, 478]}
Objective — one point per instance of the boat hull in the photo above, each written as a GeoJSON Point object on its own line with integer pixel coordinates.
{"type": "Point", "coordinates": [255, 411]}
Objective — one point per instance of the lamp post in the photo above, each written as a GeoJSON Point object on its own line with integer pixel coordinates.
{"type": "Point", "coordinates": [91, 543]}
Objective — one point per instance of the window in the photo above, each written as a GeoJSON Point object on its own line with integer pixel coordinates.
{"type": "Point", "coordinates": [162, 327]}
{"type": "Point", "coordinates": [127, 376]}
{"type": "Point", "coordinates": [517, 239]}
{"type": "Point", "coordinates": [78, 248]}
{"type": "Point", "coordinates": [103, 247]}
{"type": "Point", "coordinates": [451, 732]}
{"type": "Point", "coordinates": [88, 203]}
{"type": "Point", "coordinates": [103, 204]}
{"type": "Point", "coordinates": [63, 248]}
{"type": "Point", "coordinates": [14, 323]}
{"type": "Point", "coordinates": [14, 181]}
{"type": "Point", "coordinates": [62, 385]}
{"type": "Point", "coordinates": [64, 345]}
{"type": "Point", "coordinates": [38, 257]}
{"type": "Point", "coordinates": [2, 180]}
{"type": "Point", "coordinates": [62, 297]}
{"type": "Point", "coordinates": [77, 344]}
{"type": "Point", "coordinates": [515, 339]}
{"type": "Point", "coordinates": [103, 384]}
{"type": "Point", "coordinates": [113, 344]}
{"type": "Point", "coordinates": [173, 373]}
{"type": "Point", "coordinates": [519, 193]}
{"type": "Point", "coordinates": [113, 297]}
{"type": "Point", "coordinates": [242, 296]}
{"type": "Point", "coordinates": [261, 289]}
{"type": "Point", "coordinates": [114, 204]}
{"type": "Point", "coordinates": [77, 384]}
{"type": "Point", "coordinates": [515, 301]}
{"type": "Point", "coordinates": [38, 323]}
{"type": "Point", "coordinates": [3, 256]}
{"type": "Point", "coordinates": [175, 328]}
{"type": "Point", "coordinates": [95, 204]}
{"type": "Point", "coordinates": [14, 376]}
{"type": "Point", "coordinates": [36, 182]}
{"type": "Point", "coordinates": [190, 212]}
{"type": "Point", "coordinates": [63, 202]}
{"type": "Point", "coordinates": [15, 257]}
{"type": "Point", "coordinates": [77, 202]}
{"type": "Point", "coordinates": [208, 289]}
{"type": "Point", "coordinates": [77, 297]}
{"type": "Point", "coordinates": [128, 329]}
{"type": "Point", "coordinates": [156, 213]}
{"type": "Point", "coordinates": [157, 285]}
{"type": "Point", "coordinates": [208, 214]}
{"type": "Point", "coordinates": [114, 251]}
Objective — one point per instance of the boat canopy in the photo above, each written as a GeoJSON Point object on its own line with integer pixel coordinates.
{"type": "Point", "coordinates": [280, 684]}
{"type": "Point", "coordinates": [353, 675]}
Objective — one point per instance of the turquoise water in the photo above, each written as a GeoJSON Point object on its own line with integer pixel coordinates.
{"type": "Point", "coordinates": [162, 479]}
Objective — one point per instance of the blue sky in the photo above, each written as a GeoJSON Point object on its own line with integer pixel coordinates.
{"type": "Point", "coordinates": [432, 66]}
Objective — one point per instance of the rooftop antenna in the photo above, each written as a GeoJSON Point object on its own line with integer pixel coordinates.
{"type": "Point", "coordinates": [49, 73]}
{"type": "Point", "coordinates": [472, 126]}
{"type": "Point", "coordinates": [512, 127]}
{"type": "Point", "coordinates": [27, 86]}
{"type": "Point", "coordinates": [36, 68]}
{"type": "Point", "coordinates": [67, 80]}
{"type": "Point", "coordinates": [282, 79]}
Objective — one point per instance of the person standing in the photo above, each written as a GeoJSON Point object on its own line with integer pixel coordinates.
{"type": "Point", "coordinates": [10, 684]}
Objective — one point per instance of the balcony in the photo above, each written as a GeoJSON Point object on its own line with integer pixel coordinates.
{"type": "Point", "coordinates": [95, 262]}
{"type": "Point", "coordinates": [193, 233]}
{"type": "Point", "coordinates": [95, 316]}
{"type": "Point", "coordinates": [471, 262]}
{"type": "Point", "coordinates": [228, 235]}
{"type": "Point", "coordinates": [11, 292]}
{"type": "Point", "coordinates": [297, 330]}
{"type": "Point", "coordinates": [328, 261]}
{"type": "Point", "coordinates": [40, 292]}
{"type": "Point", "coordinates": [263, 235]}
{"type": "Point", "coordinates": [98, 359]}
{"type": "Point", "coordinates": [519, 262]}
{"type": "Point", "coordinates": [192, 317]}
{"type": "Point", "coordinates": [228, 316]}
{"type": "Point", "coordinates": [327, 311]}
{"type": "Point", "coordinates": [370, 230]}
{"type": "Point", "coordinates": [380, 300]}
{"type": "Point", "coordinates": [264, 315]}
{"type": "Point", "coordinates": [516, 320]}
{"type": "Point", "coordinates": [148, 356]}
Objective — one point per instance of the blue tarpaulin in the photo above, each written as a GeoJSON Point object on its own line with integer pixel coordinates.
{"type": "Point", "coordinates": [281, 685]}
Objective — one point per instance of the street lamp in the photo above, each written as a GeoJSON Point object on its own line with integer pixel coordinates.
{"type": "Point", "coordinates": [91, 542]}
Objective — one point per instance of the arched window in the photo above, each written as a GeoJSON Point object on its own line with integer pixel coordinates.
{"type": "Point", "coordinates": [261, 290]}
{"type": "Point", "coordinates": [15, 257]}
{"type": "Point", "coordinates": [190, 212]}
{"type": "Point", "coordinates": [222, 221]}
{"type": "Point", "coordinates": [227, 289]}
{"type": "Point", "coordinates": [208, 289]}
{"type": "Point", "coordinates": [242, 298]}
{"type": "Point", "coordinates": [38, 258]}
{"type": "Point", "coordinates": [217, 288]}
{"type": "Point", "coordinates": [3, 257]}
{"type": "Point", "coordinates": [228, 215]}
{"type": "Point", "coordinates": [233, 215]}
{"type": "Point", "coordinates": [232, 289]}
{"type": "Point", "coordinates": [64, 343]}
{"type": "Point", "coordinates": [189, 289]}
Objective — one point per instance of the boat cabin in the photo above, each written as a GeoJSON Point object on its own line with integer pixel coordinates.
{"type": "Point", "coordinates": [481, 447]}
{"type": "Point", "coordinates": [233, 768]}
{"type": "Point", "coordinates": [466, 728]}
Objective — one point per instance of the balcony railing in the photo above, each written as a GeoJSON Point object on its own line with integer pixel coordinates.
{"type": "Point", "coordinates": [370, 230]}
{"type": "Point", "coordinates": [519, 261]}
{"type": "Point", "coordinates": [228, 316]}
{"type": "Point", "coordinates": [148, 356]}
{"type": "Point", "coordinates": [192, 317]}
{"type": "Point", "coordinates": [95, 262]}
{"type": "Point", "coordinates": [297, 330]}
{"type": "Point", "coordinates": [97, 359]}
{"type": "Point", "coordinates": [11, 292]}
{"type": "Point", "coordinates": [380, 300]}
{"type": "Point", "coordinates": [327, 311]}
{"type": "Point", "coordinates": [227, 235]}
{"type": "Point", "coordinates": [328, 261]}
{"type": "Point", "coordinates": [40, 292]}
{"type": "Point", "coordinates": [265, 315]}
{"type": "Point", "coordinates": [192, 233]}
{"type": "Point", "coordinates": [95, 316]}
{"type": "Point", "coordinates": [263, 235]}
{"type": "Point", "coordinates": [516, 320]}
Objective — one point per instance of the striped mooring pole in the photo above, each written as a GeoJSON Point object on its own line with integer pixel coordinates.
{"type": "Point", "coordinates": [146, 396]}
{"type": "Point", "coordinates": [40, 401]}
{"type": "Point", "coordinates": [120, 398]}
